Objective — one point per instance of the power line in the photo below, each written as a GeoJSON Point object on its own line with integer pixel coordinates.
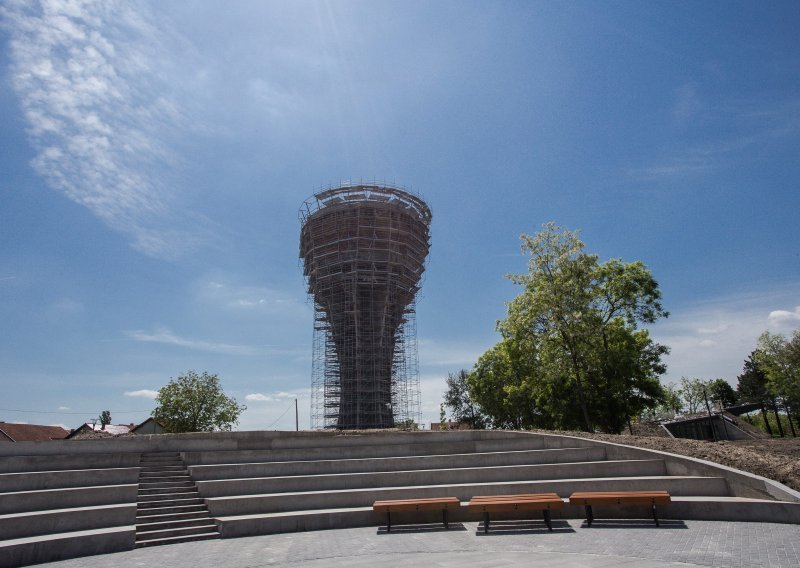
{"type": "Point", "coordinates": [279, 417]}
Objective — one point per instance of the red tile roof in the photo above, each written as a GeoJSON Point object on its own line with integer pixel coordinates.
{"type": "Point", "coordinates": [30, 432]}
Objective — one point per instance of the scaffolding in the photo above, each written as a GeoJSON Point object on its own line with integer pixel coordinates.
{"type": "Point", "coordinates": [364, 249]}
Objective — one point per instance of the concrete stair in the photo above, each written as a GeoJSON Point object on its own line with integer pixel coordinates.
{"type": "Point", "coordinates": [169, 508]}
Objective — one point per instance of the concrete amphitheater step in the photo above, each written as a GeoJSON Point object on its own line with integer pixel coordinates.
{"type": "Point", "coordinates": [281, 502]}
{"type": "Point", "coordinates": [681, 508]}
{"type": "Point", "coordinates": [375, 450]}
{"type": "Point", "coordinates": [65, 545]}
{"type": "Point", "coordinates": [627, 468]}
{"type": "Point", "coordinates": [147, 532]}
{"type": "Point", "coordinates": [59, 462]}
{"type": "Point", "coordinates": [34, 523]}
{"type": "Point", "coordinates": [404, 463]}
{"type": "Point", "coordinates": [66, 498]}
{"type": "Point", "coordinates": [210, 535]}
{"type": "Point", "coordinates": [57, 479]}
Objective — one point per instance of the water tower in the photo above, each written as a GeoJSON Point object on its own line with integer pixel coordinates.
{"type": "Point", "coordinates": [363, 249]}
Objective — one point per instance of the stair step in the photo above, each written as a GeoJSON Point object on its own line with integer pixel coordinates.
{"type": "Point", "coordinates": [142, 535]}
{"type": "Point", "coordinates": [143, 528]}
{"type": "Point", "coordinates": [177, 539]}
{"type": "Point", "coordinates": [172, 509]}
{"type": "Point", "coordinates": [147, 519]}
{"type": "Point", "coordinates": [173, 496]}
{"type": "Point", "coordinates": [166, 475]}
{"type": "Point", "coordinates": [168, 490]}
{"type": "Point", "coordinates": [164, 484]}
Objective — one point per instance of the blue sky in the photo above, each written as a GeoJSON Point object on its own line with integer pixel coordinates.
{"type": "Point", "coordinates": [153, 157]}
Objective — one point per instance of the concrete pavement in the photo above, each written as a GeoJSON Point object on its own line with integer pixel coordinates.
{"type": "Point", "coordinates": [509, 543]}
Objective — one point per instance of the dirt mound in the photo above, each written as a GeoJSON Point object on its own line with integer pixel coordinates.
{"type": "Point", "coordinates": [777, 459]}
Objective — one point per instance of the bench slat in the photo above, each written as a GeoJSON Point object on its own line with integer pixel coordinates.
{"type": "Point", "coordinates": [417, 504]}
{"type": "Point", "coordinates": [500, 503]}
{"type": "Point", "coordinates": [619, 497]}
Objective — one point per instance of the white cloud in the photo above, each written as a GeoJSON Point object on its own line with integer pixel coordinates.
{"type": "Point", "coordinates": [64, 408]}
{"type": "Point", "coordinates": [271, 397]}
{"type": "Point", "coordinates": [783, 317]}
{"type": "Point", "coordinates": [167, 337]}
{"type": "Point", "coordinates": [97, 99]}
{"type": "Point", "coordinates": [143, 393]}
{"type": "Point", "coordinates": [713, 339]}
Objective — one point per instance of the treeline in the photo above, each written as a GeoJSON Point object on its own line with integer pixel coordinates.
{"type": "Point", "coordinates": [572, 355]}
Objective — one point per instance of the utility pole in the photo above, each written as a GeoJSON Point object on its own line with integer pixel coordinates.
{"type": "Point", "coordinates": [296, 417]}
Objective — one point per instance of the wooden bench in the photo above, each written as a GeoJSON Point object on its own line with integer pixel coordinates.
{"type": "Point", "coordinates": [603, 498]}
{"type": "Point", "coordinates": [431, 504]}
{"type": "Point", "coordinates": [545, 502]}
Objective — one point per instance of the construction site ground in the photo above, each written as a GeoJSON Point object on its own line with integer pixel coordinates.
{"type": "Point", "coordinates": [778, 458]}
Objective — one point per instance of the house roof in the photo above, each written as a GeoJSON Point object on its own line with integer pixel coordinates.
{"type": "Point", "coordinates": [109, 430]}
{"type": "Point", "coordinates": [30, 432]}
{"type": "Point", "coordinates": [150, 419]}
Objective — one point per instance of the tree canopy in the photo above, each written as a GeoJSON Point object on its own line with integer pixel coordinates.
{"type": "Point", "coordinates": [196, 403]}
{"type": "Point", "coordinates": [572, 355]}
{"type": "Point", "coordinates": [779, 358]}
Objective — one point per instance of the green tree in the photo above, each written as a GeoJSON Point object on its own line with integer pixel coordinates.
{"type": "Point", "coordinates": [196, 403]}
{"type": "Point", "coordinates": [752, 387]}
{"type": "Point", "coordinates": [779, 358]}
{"type": "Point", "coordinates": [692, 392]}
{"type": "Point", "coordinates": [105, 419]}
{"type": "Point", "coordinates": [580, 318]}
{"type": "Point", "coordinates": [462, 407]}
{"type": "Point", "coordinates": [509, 388]}
{"type": "Point", "coordinates": [672, 398]}
{"type": "Point", "coordinates": [720, 390]}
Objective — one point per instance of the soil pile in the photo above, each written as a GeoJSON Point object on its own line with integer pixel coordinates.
{"type": "Point", "coordinates": [777, 459]}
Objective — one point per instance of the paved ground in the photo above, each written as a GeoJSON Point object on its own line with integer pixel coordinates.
{"type": "Point", "coordinates": [512, 543]}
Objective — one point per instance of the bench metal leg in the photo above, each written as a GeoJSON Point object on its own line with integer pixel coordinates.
{"type": "Point", "coordinates": [589, 515]}
{"type": "Point", "coordinates": [388, 521]}
{"type": "Point", "coordinates": [485, 523]}
{"type": "Point", "coordinates": [655, 515]}
{"type": "Point", "coordinates": [444, 518]}
{"type": "Point", "coordinates": [547, 520]}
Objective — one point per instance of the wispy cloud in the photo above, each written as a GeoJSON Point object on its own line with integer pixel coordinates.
{"type": "Point", "coordinates": [143, 393]}
{"type": "Point", "coordinates": [713, 340]}
{"type": "Point", "coordinates": [242, 299]}
{"type": "Point", "coordinates": [167, 337]}
{"type": "Point", "coordinates": [270, 397]}
{"type": "Point", "coordinates": [687, 103]}
{"type": "Point", "coordinates": [727, 130]}
{"type": "Point", "coordinates": [92, 85]}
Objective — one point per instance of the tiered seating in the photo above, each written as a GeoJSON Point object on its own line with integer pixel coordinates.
{"type": "Point", "coordinates": [49, 514]}
{"type": "Point", "coordinates": [64, 499]}
{"type": "Point", "coordinates": [332, 481]}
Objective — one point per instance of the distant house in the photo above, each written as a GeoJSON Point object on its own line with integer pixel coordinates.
{"type": "Point", "coordinates": [88, 430]}
{"type": "Point", "coordinates": [30, 432]}
{"type": "Point", "coordinates": [149, 426]}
